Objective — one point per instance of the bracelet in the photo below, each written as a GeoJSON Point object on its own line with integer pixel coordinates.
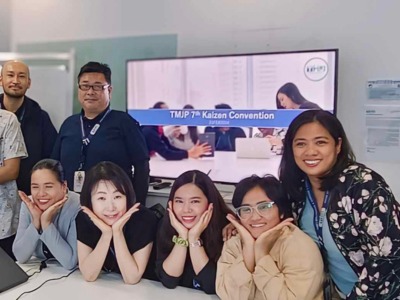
{"type": "Point", "coordinates": [180, 241]}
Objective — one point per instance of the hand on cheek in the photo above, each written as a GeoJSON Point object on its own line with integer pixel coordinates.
{"type": "Point", "coordinates": [104, 228]}
{"type": "Point", "coordinates": [47, 216]}
{"type": "Point", "coordinates": [245, 235]}
{"type": "Point", "coordinates": [119, 225]}
{"type": "Point", "coordinates": [197, 230]}
{"type": "Point", "coordinates": [264, 242]}
{"type": "Point", "coordinates": [34, 210]}
{"type": "Point", "coordinates": [178, 226]}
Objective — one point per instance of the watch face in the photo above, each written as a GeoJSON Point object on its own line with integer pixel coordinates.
{"type": "Point", "coordinates": [198, 243]}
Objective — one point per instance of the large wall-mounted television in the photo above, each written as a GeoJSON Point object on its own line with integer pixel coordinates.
{"type": "Point", "coordinates": [257, 95]}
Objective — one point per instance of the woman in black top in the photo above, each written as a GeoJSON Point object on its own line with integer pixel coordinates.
{"type": "Point", "coordinates": [190, 239]}
{"type": "Point", "coordinates": [114, 234]}
{"type": "Point", "coordinates": [289, 97]}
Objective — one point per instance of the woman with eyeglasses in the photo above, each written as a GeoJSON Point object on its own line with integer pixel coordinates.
{"type": "Point", "coordinates": [270, 258]}
{"type": "Point", "coordinates": [190, 238]}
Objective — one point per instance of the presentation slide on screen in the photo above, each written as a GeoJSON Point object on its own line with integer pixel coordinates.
{"type": "Point", "coordinates": [256, 95]}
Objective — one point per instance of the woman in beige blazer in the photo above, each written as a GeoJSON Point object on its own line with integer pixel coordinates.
{"type": "Point", "coordinates": [270, 258]}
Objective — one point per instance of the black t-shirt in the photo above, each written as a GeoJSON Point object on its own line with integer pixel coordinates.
{"type": "Point", "coordinates": [204, 281]}
{"type": "Point", "coordinates": [139, 231]}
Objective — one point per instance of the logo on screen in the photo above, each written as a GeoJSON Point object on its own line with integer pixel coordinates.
{"type": "Point", "coordinates": [316, 69]}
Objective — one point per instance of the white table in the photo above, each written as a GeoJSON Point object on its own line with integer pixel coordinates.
{"type": "Point", "coordinates": [225, 167]}
{"type": "Point", "coordinates": [107, 286]}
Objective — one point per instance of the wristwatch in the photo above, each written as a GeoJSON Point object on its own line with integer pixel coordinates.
{"type": "Point", "coordinates": [198, 243]}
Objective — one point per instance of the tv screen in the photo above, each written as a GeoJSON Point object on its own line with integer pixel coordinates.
{"type": "Point", "coordinates": [237, 106]}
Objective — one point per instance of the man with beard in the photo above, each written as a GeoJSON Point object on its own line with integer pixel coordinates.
{"type": "Point", "coordinates": [37, 128]}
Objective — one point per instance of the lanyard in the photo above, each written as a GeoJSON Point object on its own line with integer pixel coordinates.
{"type": "Point", "coordinates": [318, 222]}
{"type": "Point", "coordinates": [87, 137]}
{"type": "Point", "coordinates": [318, 217]}
{"type": "Point", "coordinates": [22, 114]}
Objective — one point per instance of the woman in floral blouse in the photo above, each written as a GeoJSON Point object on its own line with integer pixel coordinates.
{"type": "Point", "coordinates": [348, 209]}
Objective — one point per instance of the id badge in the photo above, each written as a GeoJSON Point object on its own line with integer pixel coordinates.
{"type": "Point", "coordinates": [79, 178]}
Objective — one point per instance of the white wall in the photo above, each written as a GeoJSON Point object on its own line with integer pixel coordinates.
{"type": "Point", "coordinates": [366, 32]}
{"type": "Point", "coordinates": [5, 25]}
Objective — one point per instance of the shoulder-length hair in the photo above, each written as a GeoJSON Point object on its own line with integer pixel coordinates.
{"type": "Point", "coordinates": [212, 235]}
{"type": "Point", "coordinates": [107, 171]}
{"type": "Point", "coordinates": [271, 187]}
{"type": "Point", "coordinates": [291, 175]}
{"type": "Point", "coordinates": [292, 91]}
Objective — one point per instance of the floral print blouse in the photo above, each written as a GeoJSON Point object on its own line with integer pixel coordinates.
{"type": "Point", "coordinates": [363, 218]}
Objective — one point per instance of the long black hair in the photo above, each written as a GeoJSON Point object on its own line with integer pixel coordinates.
{"type": "Point", "coordinates": [292, 91]}
{"type": "Point", "coordinates": [107, 171]}
{"type": "Point", "coordinates": [291, 175]}
{"type": "Point", "coordinates": [212, 235]}
{"type": "Point", "coordinates": [270, 185]}
{"type": "Point", "coordinates": [194, 135]}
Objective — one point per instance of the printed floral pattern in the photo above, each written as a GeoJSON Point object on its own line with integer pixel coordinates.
{"type": "Point", "coordinates": [11, 146]}
{"type": "Point", "coordinates": [363, 218]}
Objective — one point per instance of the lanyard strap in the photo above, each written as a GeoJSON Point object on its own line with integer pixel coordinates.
{"type": "Point", "coordinates": [87, 137]}
{"type": "Point", "coordinates": [318, 217]}
{"type": "Point", "coordinates": [318, 222]}
{"type": "Point", "coordinates": [22, 114]}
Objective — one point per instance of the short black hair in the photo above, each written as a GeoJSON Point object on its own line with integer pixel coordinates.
{"type": "Point", "coordinates": [107, 171]}
{"type": "Point", "coordinates": [96, 67]}
{"type": "Point", "coordinates": [158, 104]}
{"type": "Point", "coordinates": [291, 175]}
{"type": "Point", "coordinates": [51, 165]}
{"type": "Point", "coordinates": [223, 106]}
{"type": "Point", "coordinates": [270, 185]}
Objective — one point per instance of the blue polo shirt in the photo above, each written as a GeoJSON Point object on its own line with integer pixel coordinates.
{"type": "Point", "coordinates": [341, 272]}
{"type": "Point", "coordinates": [118, 140]}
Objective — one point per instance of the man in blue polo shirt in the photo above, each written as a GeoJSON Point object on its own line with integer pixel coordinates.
{"type": "Point", "coordinates": [101, 134]}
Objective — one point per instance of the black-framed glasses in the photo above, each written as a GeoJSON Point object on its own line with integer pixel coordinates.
{"type": "Point", "coordinates": [95, 87]}
{"type": "Point", "coordinates": [263, 209]}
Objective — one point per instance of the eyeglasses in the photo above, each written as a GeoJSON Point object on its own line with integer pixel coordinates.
{"type": "Point", "coordinates": [95, 87]}
{"type": "Point", "coordinates": [263, 209]}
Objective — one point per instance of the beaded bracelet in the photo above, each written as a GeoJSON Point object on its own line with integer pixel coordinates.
{"type": "Point", "coordinates": [180, 241]}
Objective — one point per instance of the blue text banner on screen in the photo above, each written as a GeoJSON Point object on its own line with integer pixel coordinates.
{"type": "Point", "coordinates": [215, 117]}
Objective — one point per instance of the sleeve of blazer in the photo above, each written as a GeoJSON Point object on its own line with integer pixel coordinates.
{"type": "Point", "coordinates": [27, 237]}
{"type": "Point", "coordinates": [234, 281]}
{"type": "Point", "coordinates": [300, 273]}
{"type": "Point", "coordinates": [64, 250]}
